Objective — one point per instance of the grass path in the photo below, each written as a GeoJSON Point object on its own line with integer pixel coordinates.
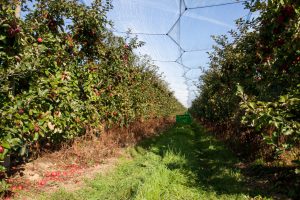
{"type": "Point", "coordinates": [183, 163]}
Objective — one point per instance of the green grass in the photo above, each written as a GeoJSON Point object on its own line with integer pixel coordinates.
{"type": "Point", "coordinates": [183, 163]}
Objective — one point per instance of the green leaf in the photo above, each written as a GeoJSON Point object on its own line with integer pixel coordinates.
{"type": "Point", "coordinates": [252, 105]}
{"type": "Point", "coordinates": [2, 37]}
{"type": "Point", "coordinates": [42, 133]}
{"type": "Point", "coordinates": [282, 99]}
{"type": "Point", "coordinates": [23, 150]}
{"type": "Point", "coordinates": [240, 89]}
{"type": "Point", "coordinates": [5, 25]}
{"type": "Point", "coordinates": [288, 132]}
{"type": "Point", "coordinates": [2, 168]}
{"type": "Point", "coordinates": [5, 144]}
{"type": "Point", "coordinates": [36, 136]}
{"type": "Point", "coordinates": [15, 141]}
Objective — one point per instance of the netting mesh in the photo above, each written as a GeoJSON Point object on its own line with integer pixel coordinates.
{"type": "Point", "coordinates": [206, 3]}
{"type": "Point", "coordinates": [177, 34]}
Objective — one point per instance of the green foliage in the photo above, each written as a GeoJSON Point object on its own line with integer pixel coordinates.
{"type": "Point", "coordinates": [63, 73]}
{"type": "Point", "coordinates": [3, 186]}
{"type": "Point", "coordinates": [263, 60]}
{"type": "Point", "coordinates": [277, 118]}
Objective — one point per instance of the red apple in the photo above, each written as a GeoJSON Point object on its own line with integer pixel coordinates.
{"type": "Point", "coordinates": [18, 59]}
{"type": "Point", "coordinates": [1, 149]}
{"type": "Point", "coordinates": [280, 19]}
{"type": "Point", "coordinates": [276, 30]}
{"type": "Point", "coordinates": [11, 32]}
{"type": "Point", "coordinates": [13, 188]}
{"type": "Point", "coordinates": [288, 10]}
{"type": "Point", "coordinates": [40, 40]}
{"type": "Point", "coordinates": [280, 42]}
{"type": "Point", "coordinates": [42, 182]}
{"type": "Point", "coordinates": [21, 111]}
{"type": "Point", "coordinates": [36, 128]}
{"type": "Point", "coordinates": [17, 30]}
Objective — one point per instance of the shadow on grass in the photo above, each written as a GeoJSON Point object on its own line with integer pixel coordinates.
{"type": "Point", "coordinates": [209, 164]}
{"type": "Point", "coordinates": [281, 181]}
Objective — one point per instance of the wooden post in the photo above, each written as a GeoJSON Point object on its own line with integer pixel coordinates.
{"type": "Point", "coordinates": [18, 8]}
{"type": "Point", "coordinates": [18, 15]}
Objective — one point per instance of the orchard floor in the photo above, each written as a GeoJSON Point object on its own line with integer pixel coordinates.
{"type": "Point", "coordinates": [182, 163]}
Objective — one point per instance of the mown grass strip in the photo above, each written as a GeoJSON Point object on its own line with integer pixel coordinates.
{"type": "Point", "coordinates": [182, 163]}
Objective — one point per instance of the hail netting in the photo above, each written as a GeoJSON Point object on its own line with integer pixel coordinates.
{"type": "Point", "coordinates": [177, 34]}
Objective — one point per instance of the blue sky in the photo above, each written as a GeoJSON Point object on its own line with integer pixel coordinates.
{"type": "Point", "coordinates": [196, 27]}
{"type": "Point", "coordinates": [193, 32]}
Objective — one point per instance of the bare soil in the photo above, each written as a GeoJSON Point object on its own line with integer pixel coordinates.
{"type": "Point", "coordinates": [87, 156]}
